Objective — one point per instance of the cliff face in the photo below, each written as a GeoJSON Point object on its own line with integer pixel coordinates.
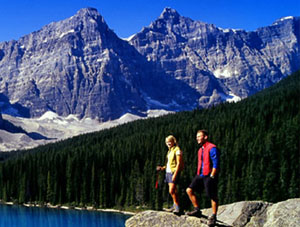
{"type": "Point", "coordinates": [250, 214]}
{"type": "Point", "coordinates": [1, 120]}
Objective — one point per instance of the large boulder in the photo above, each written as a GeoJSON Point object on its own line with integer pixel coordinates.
{"type": "Point", "coordinates": [286, 213]}
{"type": "Point", "coordinates": [160, 218]}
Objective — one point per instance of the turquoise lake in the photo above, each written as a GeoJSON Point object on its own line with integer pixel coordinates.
{"type": "Point", "coordinates": [20, 216]}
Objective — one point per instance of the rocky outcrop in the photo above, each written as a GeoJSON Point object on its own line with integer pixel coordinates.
{"type": "Point", "coordinates": [251, 213]}
{"type": "Point", "coordinates": [286, 213]}
{"type": "Point", "coordinates": [164, 219]}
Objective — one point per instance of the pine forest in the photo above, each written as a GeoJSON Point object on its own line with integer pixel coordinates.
{"type": "Point", "coordinates": [258, 138]}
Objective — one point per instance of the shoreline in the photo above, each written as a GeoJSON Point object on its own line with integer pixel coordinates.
{"type": "Point", "coordinates": [63, 207]}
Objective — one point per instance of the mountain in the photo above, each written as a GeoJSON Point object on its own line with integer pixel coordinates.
{"type": "Point", "coordinates": [217, 62]}
{"type": "Point", "coordinates": [78, 66]}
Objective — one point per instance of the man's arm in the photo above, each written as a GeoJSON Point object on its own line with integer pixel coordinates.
{"type": "Point", "coordinates": [215, 157]}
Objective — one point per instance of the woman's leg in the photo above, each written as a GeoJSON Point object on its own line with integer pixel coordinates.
{"type": "Point", "coordinates": [173, 193]}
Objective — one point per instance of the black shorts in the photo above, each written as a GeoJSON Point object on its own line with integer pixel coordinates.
{"type": "Point", "coordinates": [209, 184]}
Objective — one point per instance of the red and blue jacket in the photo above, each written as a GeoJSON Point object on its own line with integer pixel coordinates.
{"type": "Point", "coordinates": [208, 158]}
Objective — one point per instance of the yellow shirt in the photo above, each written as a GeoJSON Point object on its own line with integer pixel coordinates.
{"type": "Point", "coordinates": [171, 157]}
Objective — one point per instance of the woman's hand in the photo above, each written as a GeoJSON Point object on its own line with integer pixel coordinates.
{"type": "Point", "coordinates": [159, 168]}
{"type": "Point", "coordinates": [174, 178]}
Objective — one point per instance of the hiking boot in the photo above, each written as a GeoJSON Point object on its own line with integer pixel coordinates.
{"type": "Point", "coordinates": [176, 210]}
{"type": "Point", "coordinates": [196, 213]}
{"type": "Point", "coordinates": [211, 220]}
{"type": "Point", "coordinates": [171, 209]}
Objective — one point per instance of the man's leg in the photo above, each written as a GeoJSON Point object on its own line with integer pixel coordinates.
{"type": "Point", "coordinates": [214, 206]}
{"type": "Point", "coordinates": [212, 192]}
{"type": "Point", "coordinates": [196, 212]}
{"type": "Point", "coordinates": [192, 197]}
{"type": "Point", "coordinates": [213, 218]}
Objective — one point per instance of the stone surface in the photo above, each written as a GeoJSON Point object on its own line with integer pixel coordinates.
{"type": "Point", "coordinates": [247, 213]}
{"type": "Point", "coordinates": [1, 121]}
{"type": "Point", "coordinates": [159, 218]}
{"type": "Point", "coordinates": [286, 213]}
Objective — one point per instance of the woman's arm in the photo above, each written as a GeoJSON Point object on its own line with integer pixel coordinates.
{"type": "Point", "coordinates": [179, 163]}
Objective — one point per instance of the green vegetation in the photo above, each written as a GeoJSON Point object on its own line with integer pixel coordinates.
{"type": "Point", "coordinates": [258, 139]}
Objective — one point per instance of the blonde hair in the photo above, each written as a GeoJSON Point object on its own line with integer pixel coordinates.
{"type": "Point", "coordinates": [171, 138]}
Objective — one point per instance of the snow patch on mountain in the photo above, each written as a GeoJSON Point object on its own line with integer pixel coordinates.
{"type": "Point", "coordinates": [231, 97]}
{"type": "Point", "coordinates": [283, 19]}
{"type": "Point", "coordinates": [52, 128]}
{"type": "Point", "coordinates": [224, 73]}
{"type": "Point", "coordinates": [66, 33]}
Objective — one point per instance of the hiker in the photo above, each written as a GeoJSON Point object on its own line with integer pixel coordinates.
{"type": "Point", "coordinates": [173, 167]}
{"type": "Point", "coordinates": [207, 176]}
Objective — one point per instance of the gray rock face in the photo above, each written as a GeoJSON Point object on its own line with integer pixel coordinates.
{"type": "Point", "coordinates": [1, 121]}
{"type": "Point", "coordinates": [251, 213]}
{"type": "Point", "coordinates": [79, 66]}
{"type": "Point", "coordinates": [161, 219]}
{"type": "Point", "coordinates": [221, 62]}
{"type": "Point", "coordinates": [286, 213]}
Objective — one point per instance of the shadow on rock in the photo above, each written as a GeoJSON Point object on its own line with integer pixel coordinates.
{"type": "Point", "coordinates": [9, 127]}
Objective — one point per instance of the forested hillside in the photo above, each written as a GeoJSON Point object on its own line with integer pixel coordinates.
{"type": "Point", "coordinates": [258, 139]}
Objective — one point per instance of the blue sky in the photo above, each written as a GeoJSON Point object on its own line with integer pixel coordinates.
{"type": "Point", "coordinates": [126, 17]}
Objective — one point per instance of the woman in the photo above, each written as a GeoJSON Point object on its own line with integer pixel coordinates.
{"type": "Point", "coordinates": [173, 167]}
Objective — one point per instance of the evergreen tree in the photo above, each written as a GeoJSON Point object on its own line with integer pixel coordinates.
{"type": "Point", "coordinates": [49, 188]}
{"type": "Point", "coordinates": [22, 189]}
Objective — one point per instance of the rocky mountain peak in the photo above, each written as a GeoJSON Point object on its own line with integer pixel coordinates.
{"type": "Point", "coordinates": [88, 12]}
{"type": "Point", "coordinates": [79, 66]}
{"type": "Point", "coordinates": [212, 60]}
{"type": "Point", "coordinates": [284, 19]}
{"type": "Point", "coordinates": [89, 15]}
{"type": "Point", "coordinates": [169, 14]}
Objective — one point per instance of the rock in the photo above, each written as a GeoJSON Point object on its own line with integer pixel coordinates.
{"type": "Point", "coordinates": [161, 219]}
{"type": "Point", "coordinates": [246, 213]}
{"type": "Point", "coordinates": [1, 121]}
{"type": "Point", "coordinates": [239, 214]}
{"type": "Point", "coordinates": [286, 213]}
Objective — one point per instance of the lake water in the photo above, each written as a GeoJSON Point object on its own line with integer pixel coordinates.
{"type": "Point", "coordinates": [20, 216]}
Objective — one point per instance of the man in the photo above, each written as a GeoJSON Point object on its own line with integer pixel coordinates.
{"type": "Point", "coordinates": [207, 176]}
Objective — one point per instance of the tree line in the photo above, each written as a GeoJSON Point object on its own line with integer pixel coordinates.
{"type": "Point", "coordinates": [258, 139]}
